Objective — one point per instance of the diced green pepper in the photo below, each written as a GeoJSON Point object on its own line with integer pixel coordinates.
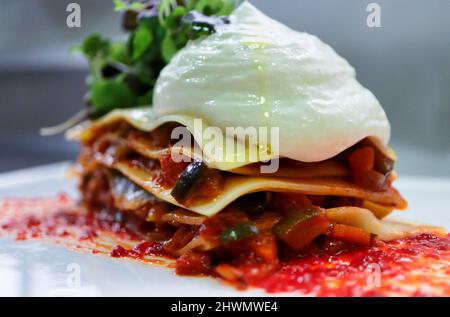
{"type": "Point", "coordinates": [301, 227]}
{"type": "Point", "coordinates": [239, 232]}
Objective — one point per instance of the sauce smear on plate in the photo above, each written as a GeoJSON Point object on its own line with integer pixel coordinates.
{"type": "Point", "coordinates": [415, 266]}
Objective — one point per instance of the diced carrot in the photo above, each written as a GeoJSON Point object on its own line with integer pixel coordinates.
{"type": "Point", "coordinates": [362, 164]}
{"type": "Point", "coordinates": [350, 234]}
{"type": "Point", "coordinates": [362, 159]}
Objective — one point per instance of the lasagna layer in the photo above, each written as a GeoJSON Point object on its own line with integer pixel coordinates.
{"type": "Point", "coordinates": [146, 159]}
{"type": "Point", "coordinates": [206, 216]}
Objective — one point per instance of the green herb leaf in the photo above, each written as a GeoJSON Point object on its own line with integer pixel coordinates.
{"type": "Point", "coordinates": [173, 20]}
{"type": "Point", "coordinates": [227, 8]}
{"type": "Point", "coordinates": [165, 9]}
{"type": "Point", "coordinates": [142, 40]}
{"type": "Point", "coordinates": [94, 45]}
{"type": "Point", "coordinates": [168, 48]}
{"type": "Point", "coordinates": [109, 94]}
{"type": "Point", "coordinates": [124, 73]}
{"type": "Point", "coordinates": [119, 53]}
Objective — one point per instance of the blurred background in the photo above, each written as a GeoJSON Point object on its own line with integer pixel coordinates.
{"type": "Point", "coordinates": [406, 64]}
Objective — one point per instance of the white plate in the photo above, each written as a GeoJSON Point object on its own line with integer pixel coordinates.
{"type": "Point", "coordinates": [34, 269]}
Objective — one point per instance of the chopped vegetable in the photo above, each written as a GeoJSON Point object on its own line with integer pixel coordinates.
{"type": "Point", "coordinates": [127, 195]}
{"type": "Point", "coordinates": [362, 164]}
{"type": "Point", "coordinates": [190, 179]}
{"type": "Point", "coordinates": [267, 222]}
{"type": "Point", "coordinates": [239, 232]}
{"type": "Point", "coordinates": [384, 164]}
{"type": "Point", "coordinates": [373, 180]}
{"type": "Point", "coordinates": [362, 159]}
{"type": "Point", "coordinates": [350, 234]}
{"type": "Point", "coordinates": [385, 157]}
{"type": "Point", "coordinates": [228, 218]}
{"type": "Point", "coordinates": [301, 227]}
{"type": "Point", "coordinates": [109, 94]}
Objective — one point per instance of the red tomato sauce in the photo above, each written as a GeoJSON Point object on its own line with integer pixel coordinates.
{"type": "Point", "coordinates": [55, 218]}
{"type": "Point", "coordinates": [415, 266]}
{"type": "Point", "coordinates": [140, 251]}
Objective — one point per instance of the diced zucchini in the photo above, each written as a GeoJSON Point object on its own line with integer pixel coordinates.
{"type": "Point", "coordinates": [192, 176]}
{"type": "Point", "coordinates": [239, 232]}
{"type": "Point", "coordinates": [301, 227]}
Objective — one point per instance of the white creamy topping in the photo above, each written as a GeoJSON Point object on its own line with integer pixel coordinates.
{"type": "Point", "coordinates": [256, 72]}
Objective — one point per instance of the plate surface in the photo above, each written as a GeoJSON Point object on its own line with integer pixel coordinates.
{"type": "Point", "coordinates": [37, 269]}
